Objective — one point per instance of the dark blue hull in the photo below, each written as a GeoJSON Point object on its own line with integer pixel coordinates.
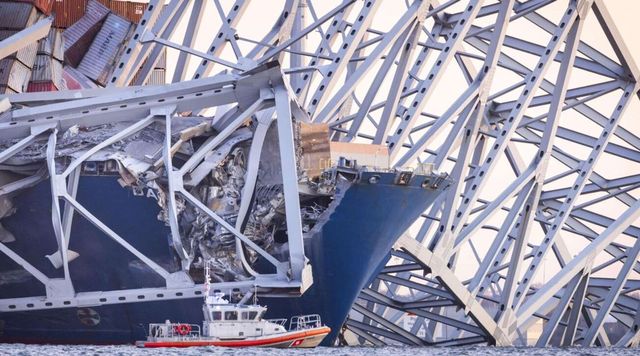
{"type": "Point", "coordinates": [345, 249]}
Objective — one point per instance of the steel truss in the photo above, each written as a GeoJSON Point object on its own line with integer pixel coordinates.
{"type": "Point", "coordinates": [510, 97]}
{"type": "Point", "coordinates": [263, 91]}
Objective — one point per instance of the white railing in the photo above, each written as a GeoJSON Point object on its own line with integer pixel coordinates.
{"type": "Point", "coordinates": [281, 321]}
{"type": "Point", "coordinates": [301, 322]}
{"type": "Point", "coordinates": [174, 330]}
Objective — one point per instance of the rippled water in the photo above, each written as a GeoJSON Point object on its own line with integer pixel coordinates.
{"type": "Point", "coordinates": [18, 349]}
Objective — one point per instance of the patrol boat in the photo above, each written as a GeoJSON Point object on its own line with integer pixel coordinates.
{"type": "Point", "coordinates": [237, 325]}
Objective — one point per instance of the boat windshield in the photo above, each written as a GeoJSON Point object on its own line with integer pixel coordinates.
{"type": "Point", "coordinates": [231, 315]}
{"type": "Point", "coordinates": [216, 315]}
{"type": "Point", "coordinates": [249, 315]}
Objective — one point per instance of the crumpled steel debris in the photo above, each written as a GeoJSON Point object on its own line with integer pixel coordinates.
{"type": "Point", "coordinates": [217, 182]}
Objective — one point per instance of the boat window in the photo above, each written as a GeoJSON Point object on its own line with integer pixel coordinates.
{"type": "Point", "coordinates": [231, 315]}
{"type": "Point", "coordinates": [253, 315]}
{"type": "Point", "coordinates": [216, 315]}
{"type": "Point", "coordinates": [245, 316]}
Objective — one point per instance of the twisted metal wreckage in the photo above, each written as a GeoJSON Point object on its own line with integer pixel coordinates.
{"type": "Point", "coordinates": [529, 139]}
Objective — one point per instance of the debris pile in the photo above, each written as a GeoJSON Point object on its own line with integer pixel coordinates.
{"type": "Point", "coordinates": [218, 182]}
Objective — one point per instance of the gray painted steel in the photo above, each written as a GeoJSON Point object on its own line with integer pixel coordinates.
{"type": "Point", "coordinates": [536, 240]}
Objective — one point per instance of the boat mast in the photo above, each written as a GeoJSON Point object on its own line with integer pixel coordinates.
{"type": "Point", "coordinates": [207, 280]}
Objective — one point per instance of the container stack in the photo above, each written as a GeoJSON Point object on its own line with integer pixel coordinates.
{"type": "Point", "coordinates": [99, 61]}
{"type": "Point", "coordinates": [46, 74]}
{"type": "Point", "coordinates": [131, 11]}
{"type": "Point", "coordinates": [68, 12]}
{"type": "Point", "coordinates": [79, 36]}
{"type": "Point", "coordinates": [158, 74]}
{"type": "Point", "coordinates": [80, 52]}
{"type": "Point", "coordinates": [15, 16]}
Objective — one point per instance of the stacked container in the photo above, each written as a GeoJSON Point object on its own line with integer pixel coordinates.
{"type": "Point", "coordinates": [15, 16]}
{"type": "Point", "coordinates": [78, 37]}
{"type": "Point", "coordinates": [158, 74]}
{"type": "Point", "coordinates": [44, 6]}
{"type": "Point", "coordinates": [73, 80]}
{"type": "Point", "coordinates": [68, 12]}
{"type": "Point", "coordinates": [100, 59]}
{"type": "Point", "coordinates": [131, 11]}
{"type": "Point", "coordinates": [47, 70]}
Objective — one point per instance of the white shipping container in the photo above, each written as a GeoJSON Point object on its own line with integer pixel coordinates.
{"type": "Point", "coordinates": [53, 44]}
{"type": "Point", "coordinates": [93, 15]}
{"type": "Point", "coordinates": [14, 74]}
{"type": "Point", "coordinates": [47, 69]}
{"type": "Point", "coordinates": [26, 55]}
{"type": "Point", "coordinates": [157, 77]}
{"type": "Point", "coordinates": [98, 62]}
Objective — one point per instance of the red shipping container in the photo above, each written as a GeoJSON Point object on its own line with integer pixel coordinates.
{"type": "Point", "coordinates": [72, 79]}
{"type": "Point", "coordinates": [67, 12]}
{"type": "Point", "coordinates": [131, 11]}
{"type": "Point", "coordinates": [41, 86]}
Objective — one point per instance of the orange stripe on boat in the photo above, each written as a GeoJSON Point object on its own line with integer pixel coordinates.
{"type": "Point", "coordinates": [240, 343]}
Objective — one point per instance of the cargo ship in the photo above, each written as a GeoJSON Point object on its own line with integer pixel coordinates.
{"type": "Point", "coordinates": [352, 214]}
{"type": "Point", "coordinates": [346, 244]}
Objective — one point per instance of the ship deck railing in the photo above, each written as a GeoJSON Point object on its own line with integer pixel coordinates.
{"type": "Point", "coordinates": [302, 322]}
{"type": "Point", "coordinates": [159, 331]}
{"type": "Point", "coordinates": [282, 321]}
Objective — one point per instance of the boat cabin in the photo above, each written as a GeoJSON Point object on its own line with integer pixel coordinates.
{"type": "Point", "coordinates": [231, 321]}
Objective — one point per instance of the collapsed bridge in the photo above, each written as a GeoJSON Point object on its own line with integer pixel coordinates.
{"type": "Point", "coordinates": [528, 106]}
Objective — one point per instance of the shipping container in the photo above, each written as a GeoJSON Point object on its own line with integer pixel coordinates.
{"type": "Point", "coordinates": [73, 80]}
{"type": "Point", "coordinates": [78, 38]}
{"type": "Point", "coordinates": [5, 90]}
{"type": "Point", "coordinates": [98, 62]}
{"type": "Point", "coordinates": [42, 86]}
{"type": "Point", "coordinates": [47, 69]}
{"type": "Point", "coordinates": [17, 15]}
{"type": "Point", "coordinates": [26, 55]}
{"type": "Point", "coordinates": [67, 12]}
{"type": "Point", "coordinates": [162, 62]}
{"type": "Point", "coordinates": [130, 10]}
{"type": "Point", "coordinates": [157, 77]}
{"type": "Point", "coordinates": [45, 6]}
{"type": "Point", "coordinates": [14, 74]}
{"type": "Point", "coordinates": [58, 48]}
{"type": "Point", "coordinates": [52, 44]}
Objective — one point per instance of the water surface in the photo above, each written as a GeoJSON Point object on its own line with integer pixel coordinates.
{"type": "Point", "coordinates": [50, 350]}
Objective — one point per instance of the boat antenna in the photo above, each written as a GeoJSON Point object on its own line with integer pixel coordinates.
{"type": "Point", "coordinates": [255, 294]}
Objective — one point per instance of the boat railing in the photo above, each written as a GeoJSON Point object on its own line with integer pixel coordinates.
{"type": "Point", "coordinates": [174, 330]}
{"type": "Point", "coordinates": [281, 321]}
{"type": "Point", "coordinates": [301, 322]}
